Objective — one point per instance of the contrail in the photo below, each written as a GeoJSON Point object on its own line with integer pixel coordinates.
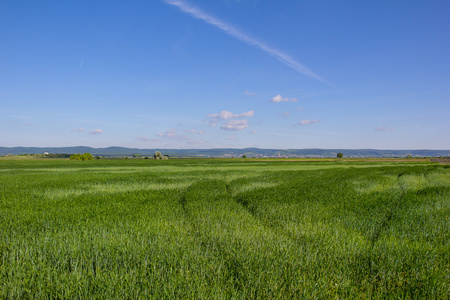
{"type": "Point", "coordinates": [230, 30]}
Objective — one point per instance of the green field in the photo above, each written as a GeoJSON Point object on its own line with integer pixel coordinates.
{"type": "Point", "coordinates": [224, 229]}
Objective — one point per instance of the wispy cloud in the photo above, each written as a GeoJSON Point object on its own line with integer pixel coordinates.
{"type": "Point", "coordinates": [227, 115]}
{"type": "Point", "coordinates": [249, 93]}
{"type": "Point", "coordinates": [171, 133]}
{"type": "Point", "coordinates": [279, 98]}
{"type": "Point", "coordinates": [146, 139]}
{"type": "Point", "coordinates": [235, 125]}
{"type": "Point", "coordinates": [95, 131]}
{"type": "Point", "coordinates": [384, 128]}
{"type": "Point", "coordinates": [195, 131]}
{"type": "Point", "coordinates": [77, 130]}
{"type": "Point", "coordinates": [307, 122]}
{"type": "Point", "coordinates": [143, 138]}
{"type": "Point", "coordinates": [247, 114]}
{"type": "Point", "coordinates": [230, 30]}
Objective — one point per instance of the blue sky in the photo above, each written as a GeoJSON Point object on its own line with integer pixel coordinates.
{"type": "Point", "coordinates": [225, 73]}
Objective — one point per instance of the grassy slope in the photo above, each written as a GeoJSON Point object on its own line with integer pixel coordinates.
{"type": "Point", "coordinates": [223, 229]}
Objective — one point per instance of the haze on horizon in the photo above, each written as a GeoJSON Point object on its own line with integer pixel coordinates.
{"type": "Point", "coordinates": [180, 74]}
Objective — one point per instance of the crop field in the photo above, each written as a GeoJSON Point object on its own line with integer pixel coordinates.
{"type": "Point", "coordinates": [224, 229]}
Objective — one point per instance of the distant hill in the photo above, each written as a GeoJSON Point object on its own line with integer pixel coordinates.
{"type": "Point", "coordinates": [225, 152]}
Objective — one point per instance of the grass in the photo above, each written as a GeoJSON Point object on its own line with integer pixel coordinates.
{"type": "Point", "coordinates": [220, 229]}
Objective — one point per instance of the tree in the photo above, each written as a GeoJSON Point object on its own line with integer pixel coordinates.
{"type": "Point", "coordinates": [158, 155]}
{"type": "Point", "coordinates": [340, 155]}
{"type": "Point", "coordinates": [244, 156]}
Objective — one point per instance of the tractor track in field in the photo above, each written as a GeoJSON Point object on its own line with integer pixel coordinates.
{"type": "Point", "coordinates": [383, 226]}
{"type": "Point", "coordinates": [236, 275]}
{"type": "Point", "coordinates": [272, 226]}
{"type": "Point", "coordinates": [389, 215]}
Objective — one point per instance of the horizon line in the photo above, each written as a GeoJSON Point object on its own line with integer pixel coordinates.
{"type": "Point", "coordinates": [218, 148]}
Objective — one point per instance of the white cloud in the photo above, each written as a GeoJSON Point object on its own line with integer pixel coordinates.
{"type": "Point", "coordinates": [286, 114]}
{"type": "Point", "coordinates": [77, 130]}
{"type": "Point", "coordinates": [384, 128]}
{"type": "Point", "coordinates": [279, 98]}
{"type": "Point", "coordinates": [249, 93]}
{"type": "Point", "coordinates": [230, 138]}
{"type": "Point", "coordinates": [235, 125]}
{"type": "Point", "coordinates": [231, 124]}
{"type": "Point", "coordinates": [307, 122]}
{"type": "Point", "coordinates": [253, 131]}
{"type": "Point", "coordinates": [95, 132]}
{"type": "Point", "coordinates": [230, 30]}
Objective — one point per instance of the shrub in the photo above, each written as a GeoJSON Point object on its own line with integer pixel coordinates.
{"type": "Point", "coordinates": [75, 157]}
{"type": "Point", "coordinates": [85, 156]}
